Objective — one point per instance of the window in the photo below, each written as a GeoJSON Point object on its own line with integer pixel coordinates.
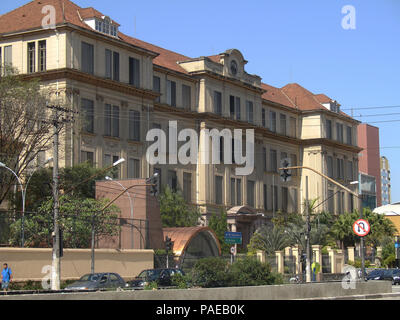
{"type": "Point", "coordinates": [329, 164]}
{"type": "Point", "coordinates": [295, 202]}
{"type": "Point", "coordinates": [187, 187]}
{"type": "Point", "coordinates": [8, 56]}
{"type": "Point", "coordinates": [42, 56]}
{"type": "Point", "coordinates": [157, 86]}
{"type": "Point", "coordinates": [134, 125]}
{"type": "Point", "coordinates": [106, 26]}
{"type": "Point", "coordinates": [351, 203]}
{"type": "Point", "coordinates": [350, 171]}
{"type": "Point", "coordinates": [116, 170]}
{"type": "Point", "coordinates": [264, 155]}
{"type": "Point", "coordinates": [87, 107]}
{"type": "Point", "coordinates": [239, 201]}
{"type": "Point", "coordinates": [218, 190]}
{"type": "Point", "coordinates": [339, 132]}
{"type": "Point", "coordinates": [171, 93]}
{"type": "Point", "coordinates": [87, 156]}
{"type": "Point", "coordinates": [133, 168]}
{"type": "Point", "coordinates": [172, 180]}
{"type": "Point", "coordinates": [265, 197]}
{"type": "Point", "coordinates": [349, 136]}
{"type": "Point", "coordinates": [293, 127]}
{"type": "Point", "coordinates": [233, 191]}
{"type": "Point", "coordinates": [339, 168]}
{"type": "Point", "coordinates": [115, 121]}
{"type": "Point", "coordinates": [284, 199]}
{"type": "Point", "coordinates": [134, 72]}
{"type": "Point", "coordinates": [331, 203]}
{"type": "Point", "coordinates": [273, 161]}
{"type": "Point", "coordinates": [186, 97]}
{"type": "Point", "coordinates": [274, 197]}
{"type": "Point", "coordinates": [232, 106]}
{"type": "Point", "coordinates": [283, 155]}
{"type": "Point", "coordinates": [217, 102]}
{"type": "Point", "coordinates": [250, 193]}
{"type": "Point", "coordinates": [328, 129]}
{"type": "Point", "coordinates": [263, 118]}
{"type": "Point", "coordinates": [272, 121]}
{"type": "Point", "coordinates": [249, 112]}
{"type": "Point", "coordinates": [108, 55]}
{"type": "Point", "coordinates": [87, 63]}
{"type": "Point", "coordinates": [237, 108]}
{"type": "Point", "coordinates": [115, 66]}
{"type": "Point", "coordinates": [340, 202]}
{"type": "Point", "coordinates": [282, 118]}
{"type": "Point", "coordinates": [31, 57]}
{"type": "Point", "coordinates": [111, 121]}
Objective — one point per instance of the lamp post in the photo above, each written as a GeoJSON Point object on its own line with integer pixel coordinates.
{"type": "Point", "coordinates": [23, 193]}
{"type": "Point", "coordinates": [130, 203]}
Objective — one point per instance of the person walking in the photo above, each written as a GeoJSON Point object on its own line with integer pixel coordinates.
{"type": "Point", "coordinates": [6, 277]}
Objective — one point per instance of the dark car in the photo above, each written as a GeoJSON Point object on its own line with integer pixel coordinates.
{"type": "Point", "coordinates": [163, 277]}
{"type": "Point", "coordinates": [98, 281]}
{"type": "Point", "coordinates": [375, 274]}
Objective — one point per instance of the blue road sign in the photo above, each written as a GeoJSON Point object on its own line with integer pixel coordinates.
{"type": "Point", "coordinates": [233, 237]}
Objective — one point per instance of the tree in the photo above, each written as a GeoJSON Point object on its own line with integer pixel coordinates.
{"type": "Point", "coordinates": [269, 239]}
{"type": "Point", "coordinates": [25, 129]}
{"type": "Point", "coordinates": [175, 212]}
{"type": "Point", "coordinates": [75, 221]}
{"type": "Point", "coordinates": [219, 224]}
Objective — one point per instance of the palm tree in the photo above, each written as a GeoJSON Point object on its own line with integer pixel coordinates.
{"type": "Point", "coordinates": [269, 239]}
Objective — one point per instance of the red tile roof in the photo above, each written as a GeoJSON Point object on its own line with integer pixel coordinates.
{"type": "Point", "coordinates": [322, 98]}
{"type": "Point", "coordinates": [276, 95]}
{"type": "Point", "coordinates": [93, 13]}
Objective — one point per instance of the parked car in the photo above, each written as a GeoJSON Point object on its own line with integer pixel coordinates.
{"type": "Point", "coordinates": [385, 274]}
{"type": "Point", "coordinates": [163, 277]}
{"type": "Point", "coordinates": [98, 281]}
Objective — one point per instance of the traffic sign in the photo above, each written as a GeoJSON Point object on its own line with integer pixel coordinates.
{"type": "Point", "coordinates": [233, 237]}
{"type": "Point", "coordinates": [361, 227]}
{"type": "Point", "coordinates": [233, 250]}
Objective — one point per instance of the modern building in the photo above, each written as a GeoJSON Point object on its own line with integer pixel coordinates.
{"type": "Point", "coordinates": [123, 87]}
{"type": "Point", "coordinates": [369, 164]}
{"type": "Point", "coordinates": [385, 181]}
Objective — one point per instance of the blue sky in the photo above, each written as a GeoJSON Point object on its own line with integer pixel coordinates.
{"type": "Point", "coordinates": [286, 41]}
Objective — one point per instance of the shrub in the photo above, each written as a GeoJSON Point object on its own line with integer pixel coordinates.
{"type": "Point", "coordinates": [251, 272]}
{"type": "Point", "coordinates": [151, 286]}
{"type": "Point", "coordinates": [180, 281]}
{"type": "Point", "coordinates": [210, 273]}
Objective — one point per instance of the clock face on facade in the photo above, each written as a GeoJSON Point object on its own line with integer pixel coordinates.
{"type": "Point", "coordinates": [234, 67]}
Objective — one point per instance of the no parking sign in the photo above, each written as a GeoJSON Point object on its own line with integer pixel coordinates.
{"type": "Point", "coordinates": [361, 227]}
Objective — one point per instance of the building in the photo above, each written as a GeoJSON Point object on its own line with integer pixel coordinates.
{"type": "Point", "coordinates": [385, 181]}
{"type": "Point", "coordinates": [369, 164]}
{"type": "Point", "coordinates": [123, 87]}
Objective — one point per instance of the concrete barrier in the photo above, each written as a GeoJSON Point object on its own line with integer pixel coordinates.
{"type": "Point", "coordinates": [280, 292]}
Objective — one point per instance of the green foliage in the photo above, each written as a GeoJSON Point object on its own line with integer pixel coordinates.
{"type": "Point", "coordinates": [210, 273]}
{"type": "Point", "coordinates": [180, 281]}
{"type": "Point", "coordinates": [175, 212]}
{"type": "Point", "coordinates": [219, 224]}
{"type": "Point", "coordinates": [75, 221]}
{"type": "Point", "coordinates": [388, 252]}
{"type": "Point", "coordinates": [269, 239]}
{"type": "Point", "coordinates": [357, 263]}
{"type": "Point", "coordinates": [251, 272]}
{"type": "Point", "coordinates": [151, 286]}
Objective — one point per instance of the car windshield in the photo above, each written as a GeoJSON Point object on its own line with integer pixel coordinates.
{"type": "Point", "coordinates": [151, 274]}
{"type": "Point", "coordinates": [91, 277]}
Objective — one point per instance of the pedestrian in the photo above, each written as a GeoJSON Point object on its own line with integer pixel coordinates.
{"type": "Point", "coordinates": [6, 277]}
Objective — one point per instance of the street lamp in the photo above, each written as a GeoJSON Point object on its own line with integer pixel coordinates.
{"type": "Point", "coordinates": [23, 192]}
{"type": "Point", "coordinates": [130, 203]}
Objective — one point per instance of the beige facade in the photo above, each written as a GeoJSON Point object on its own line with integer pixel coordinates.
{"type": "Point", "coordinates": [128, 87]}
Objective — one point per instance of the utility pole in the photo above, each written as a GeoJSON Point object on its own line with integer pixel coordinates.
{"type": "Point", "coordinates": [362, 244]}
{"type": "Point", "coordinates": [56, 262]}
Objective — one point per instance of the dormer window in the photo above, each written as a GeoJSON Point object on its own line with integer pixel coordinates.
{"type": "Point", "coordinates": [106, 26]}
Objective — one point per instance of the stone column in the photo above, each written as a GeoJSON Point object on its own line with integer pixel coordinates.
{"type": "Point", "coordinates": [280, 258]}
{"type": "Point", "coordinates": [296, 254]}
{"type": "Point", "coordinates": [332, 259]}
{"type": "Point", "coordinates": [350, 251]}
{"type": "Point", "coordinates": [339, 256]}
{"type": "Point", "coordinates": [261, 256]}
{"type": "Point", "coordinates": [318, 259]}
